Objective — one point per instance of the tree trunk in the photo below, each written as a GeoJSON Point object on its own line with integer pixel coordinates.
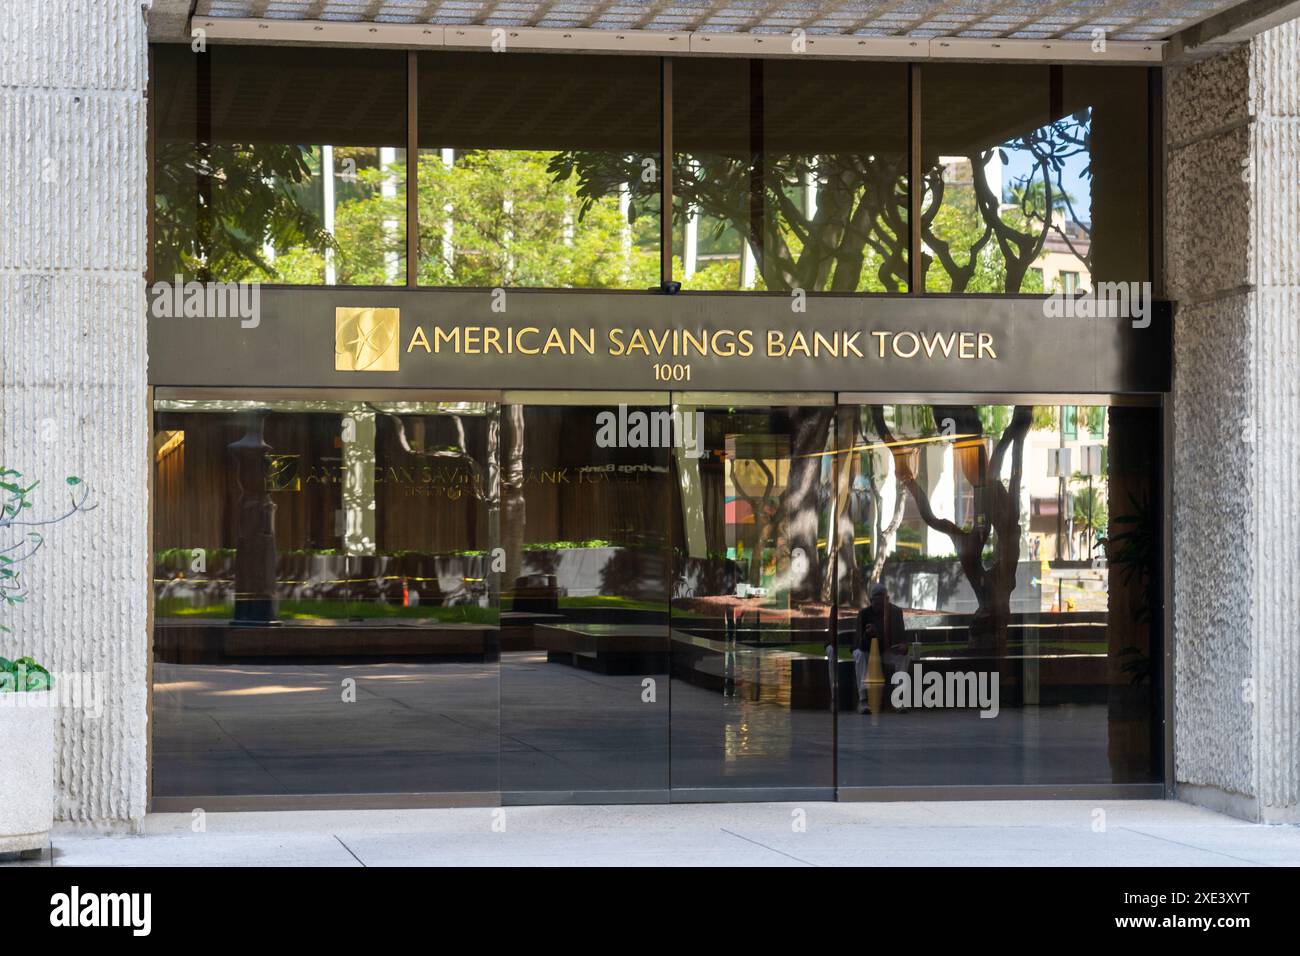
{"type": "Point", "coordinates": [801, 500]}
{"type": "Point", "coordinates": [997, 511]}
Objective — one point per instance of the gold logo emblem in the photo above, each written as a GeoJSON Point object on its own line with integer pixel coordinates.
{"type": "Point", "coordinates": [366, 340]}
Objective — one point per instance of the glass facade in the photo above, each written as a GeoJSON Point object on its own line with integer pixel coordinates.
{"type": "Point", "coordinates": [790, 175]}
{"type": "Point", "coordinates": [546, 171]}
{"type": "Point", "coordinates": [650, 596]}
{"type": "Point", "coordinates": [999, 595]}
{"type": "Point", "coordinates": [563, 595]}
{"type": "Point", "coordinates": [279, 165]}
{"type": "Point", "coordinates": [1034, 178]}
{"type": "Point", "coordinates": [751, 615]}
{"type": "Point", "coordinates": [584, 663]}
{"type": "Point", "coordinates": [324, 620]}
{"type": "Point", "coordinates": [536, 170]}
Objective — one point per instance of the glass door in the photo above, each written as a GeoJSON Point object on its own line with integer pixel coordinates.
{"type": "Point", "coordinates": [585, 480]}
{"type": "Point", "coordinates": [325, 621]}
{"type": "Point", "coordinates": [999, 600]}
{"type": "Point", "coordinates": [752, 687]}
{"type": "Point", "coordinates": [378, 597]}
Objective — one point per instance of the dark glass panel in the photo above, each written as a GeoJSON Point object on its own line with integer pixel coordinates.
{"type": "Point", "coordinates": [584, 682]}
{"type": "Point", "coordinates": [1115, 246]}
{"type": "Point", "coordinates": [1012, 637]}
{"type": "Point", "coordinates": [325, 620]}
{"type": "Point", "coordinates": [280, 165]}
{"type": "Point", "coordinates": [790, 174]}
{"type": "Point", "coordinates": [327, 589]}
{"type": "Point", "coordinates": [539, 170]}
{"type": "Point", "coordinates": [751, 600]}
{"type": "Point", "coordinates": [1036, 177]}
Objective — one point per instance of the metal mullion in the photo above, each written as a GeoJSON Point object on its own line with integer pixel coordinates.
{"type": "Point", "coordinates": [915, 184]}
{"type": "Point", "coordinates": [1157, 163]}
{"type": "Point", "coordinates": [666, 171]}
{"type": "Point", "coordinates": [151, 120]}
{"type": "Point", "coordinates": [412, 169]}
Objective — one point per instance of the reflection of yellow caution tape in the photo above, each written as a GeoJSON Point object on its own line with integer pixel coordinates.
{"type": "Point", "coordinates": [859, 540]}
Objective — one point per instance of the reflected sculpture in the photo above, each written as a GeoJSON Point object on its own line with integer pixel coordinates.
{"type": "Point", "coordinates": [256, 601]}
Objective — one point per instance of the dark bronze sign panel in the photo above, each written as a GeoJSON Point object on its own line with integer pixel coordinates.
{"type": "Point", "coordinates": [436, 339]}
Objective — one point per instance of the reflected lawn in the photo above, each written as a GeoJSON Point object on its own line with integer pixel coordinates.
{"type": "Point", "coordinates": [337, 611]}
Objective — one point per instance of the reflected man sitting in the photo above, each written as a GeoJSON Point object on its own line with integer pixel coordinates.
{"type": "Point", "coordinates": [880, 643]}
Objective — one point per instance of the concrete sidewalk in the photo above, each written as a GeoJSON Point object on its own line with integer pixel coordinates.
{"type": "Point", "coordinates": [1019, 833]}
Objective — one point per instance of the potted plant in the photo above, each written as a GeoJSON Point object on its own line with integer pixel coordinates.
{"type": "Point", "coordinates": [27, 701]}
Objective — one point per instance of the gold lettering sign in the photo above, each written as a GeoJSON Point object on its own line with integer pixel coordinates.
{"type": "Point", "coordinates": [682, 345]}
{"type": "Point", "coordinates": [367, 340]}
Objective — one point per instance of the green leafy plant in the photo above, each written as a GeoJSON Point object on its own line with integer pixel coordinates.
{"type": "Point", "coordinates": [25, 674]}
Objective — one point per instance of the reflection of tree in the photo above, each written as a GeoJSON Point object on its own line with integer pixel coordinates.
{"type": "Point", "coordinates": [1030, 196]}
{"type": "Point", "coordinates": [513, 507]}
{"type": "Point", "coordinates": [531, 217]}
{"type": "Point", "coordinates": [239, 212]}
{"type": "Point", "coordinates": [763, 515]}
{"type": "Point", "coordinates": [958, 224]}
{"type": "Point", "coordinates": [369, 238]}
{"type": "Point", "coordinates": [634, 571]}
{"type": "Point", "coordinates": [1089, 514]}
{"type": "Point", "coordinates": [516, 217]}
{"type": "Point", "coordinates": [858, 226]}
{"type": "Point", "coordinates": [803, 497]}
{"type": "Point", "coordinates": [966, 232]}
{"type": "Point", "coordinates": [997, 509]}
{"type": "Point", "coordinates": [885, 534]}
{"type": "Point", "coordinates": [860, 463]}
{"type": "Point", "coordinates": [218, 207]}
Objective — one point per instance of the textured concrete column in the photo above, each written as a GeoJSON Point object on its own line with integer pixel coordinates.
{"type": "Point", "coordinates": [1233, 264]}
{"type": "Point", "coordinates": [72, 370]}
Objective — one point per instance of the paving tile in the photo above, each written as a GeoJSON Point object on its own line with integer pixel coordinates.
{"type": "Point", "coordinates": [1000, 833]}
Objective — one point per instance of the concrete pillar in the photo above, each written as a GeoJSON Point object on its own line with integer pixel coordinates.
{"type": "Point", "coordinates": [1232, 247]}
{"type": "Point", "coordinates": [72, 372]}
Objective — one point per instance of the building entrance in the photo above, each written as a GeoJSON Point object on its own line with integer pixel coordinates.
{"type": "Point", "coordinates": [548, 597]}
